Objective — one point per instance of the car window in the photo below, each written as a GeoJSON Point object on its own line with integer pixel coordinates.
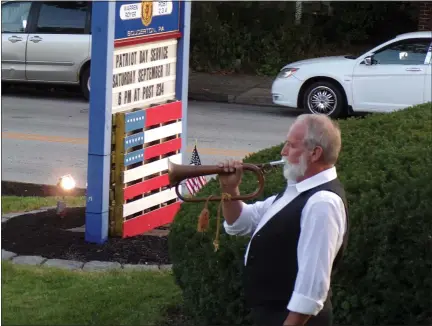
{"type": "Point", "coordinates": [429, 55]}
{"type": "Point", "coordinates": [406, 52]}
{"type": "Point", "coordinates": [15, 16]}
{"type": "Point", "coordinates": [62, 17]}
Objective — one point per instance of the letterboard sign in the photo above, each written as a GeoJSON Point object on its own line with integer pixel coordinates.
{"type": "Point", "coordinates": [137, 19]}
{"type": "Point", "coordinates": [144, 74]}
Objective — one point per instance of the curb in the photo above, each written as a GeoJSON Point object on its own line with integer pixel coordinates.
{"type": "Point", "coordinates": [72, 265]}
{"type": "Point", "coordinates": [210, 97]}
{"type": "Point", "coordinates": [228, 98]}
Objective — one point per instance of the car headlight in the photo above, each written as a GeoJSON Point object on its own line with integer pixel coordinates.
{"type": "Point", "coordinates": [287, 72]}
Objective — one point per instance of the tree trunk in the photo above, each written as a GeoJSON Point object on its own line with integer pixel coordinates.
{"type": "Point", "coordinates": [298, 12]}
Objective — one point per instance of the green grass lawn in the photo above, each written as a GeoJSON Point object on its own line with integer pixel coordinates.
{"type": "Point", "coordinates": [45, 296]}
{"type": "Point", "coordinates": [11, 204]}
{"type": "Point", "coordinates": [48, 296]}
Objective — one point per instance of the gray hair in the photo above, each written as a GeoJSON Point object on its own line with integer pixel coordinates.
{"type": "Point", "coordinates": [323, 132]}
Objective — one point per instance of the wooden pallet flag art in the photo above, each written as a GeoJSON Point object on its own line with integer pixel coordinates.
{"type": "Point", "coordinates": [147, 140]}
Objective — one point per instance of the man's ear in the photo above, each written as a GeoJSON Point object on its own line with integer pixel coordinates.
{"type": "Point", "coordinates": [317, 154]}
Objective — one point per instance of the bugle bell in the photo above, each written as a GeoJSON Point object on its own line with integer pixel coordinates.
{"type": "Point", "coordinates": [179, 172]}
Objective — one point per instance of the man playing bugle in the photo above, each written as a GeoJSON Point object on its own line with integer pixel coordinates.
{"type": "Point", "coordinates": [298, 235]}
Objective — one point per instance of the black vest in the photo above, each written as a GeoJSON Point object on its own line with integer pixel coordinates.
{"type": "Point", "coordinates": [271, 268]}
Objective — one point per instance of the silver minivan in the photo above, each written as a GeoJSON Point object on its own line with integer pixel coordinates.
{"type": "Point", "coordinates": [47, 42]}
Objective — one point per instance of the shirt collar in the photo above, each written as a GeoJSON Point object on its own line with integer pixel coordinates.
{"type": "Point", "coordinates": [314, 181]}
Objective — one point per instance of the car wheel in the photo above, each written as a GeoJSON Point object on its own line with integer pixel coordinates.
{"type": "Point", "coordinates": [85, 83]}
{"type": "Point", "coordinates": [324, 98]}
{"type": "Point", "coordinates": [5, 85]}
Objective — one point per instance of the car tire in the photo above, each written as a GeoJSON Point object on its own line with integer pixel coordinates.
{"type": "Point", "coordinates": [324, 97]}
{"type": "Point", "coordinates": [5, 85]}
{"type": "Point", "coordinates": [85, 83]}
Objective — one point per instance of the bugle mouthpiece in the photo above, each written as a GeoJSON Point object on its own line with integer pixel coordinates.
{"type": "Point", "coordinates": [274, 163]}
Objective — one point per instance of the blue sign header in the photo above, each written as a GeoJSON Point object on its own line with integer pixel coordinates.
{"type": "Point", "coordinates": [146, 18]}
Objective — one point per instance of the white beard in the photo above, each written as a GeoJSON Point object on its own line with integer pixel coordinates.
{"type": "Point", "coordinates": [294, 171]}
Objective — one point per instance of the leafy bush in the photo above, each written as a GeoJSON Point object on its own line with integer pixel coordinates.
{"type": "Point", "coordinates": [385, 278]}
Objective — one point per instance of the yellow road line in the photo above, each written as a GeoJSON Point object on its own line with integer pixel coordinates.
{"type": "Point", "coordinates": [70, 140]}
{"type": "Point", "coordinates": [54, 139]}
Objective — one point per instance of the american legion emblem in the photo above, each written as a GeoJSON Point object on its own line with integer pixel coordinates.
{"type": "Point", "coordinates": [146, 12]}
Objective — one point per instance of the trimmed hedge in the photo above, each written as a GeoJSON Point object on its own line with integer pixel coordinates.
{"type": "Point", "coordinates": [385, 278]}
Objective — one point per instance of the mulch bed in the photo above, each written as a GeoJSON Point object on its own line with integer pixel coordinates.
{"type": "Point", "coordinates": [44, 234]}
{"type": "Point", "coordinates": [22, 189]}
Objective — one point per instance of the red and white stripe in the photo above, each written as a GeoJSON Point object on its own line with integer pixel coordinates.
{"type": "Point", "coordinates": [195, 184]}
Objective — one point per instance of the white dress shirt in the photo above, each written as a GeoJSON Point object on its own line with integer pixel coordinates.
{"type": "Point", "coordinates": [323, 225]}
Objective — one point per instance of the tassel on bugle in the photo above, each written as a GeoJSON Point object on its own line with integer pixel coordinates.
{"type": "Point", "coordinates": [204, 218]}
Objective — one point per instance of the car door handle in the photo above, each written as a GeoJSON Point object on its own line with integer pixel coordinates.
{"type": "Point", "coordinates": [36, 39]}
{"type": "Point", "coordinates": [15, 39]}
{"type": "Point", "coordinates": [413, 69]}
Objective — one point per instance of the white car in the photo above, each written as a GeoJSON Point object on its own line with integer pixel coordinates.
{"type": "Point", "coordinates": [391, 76]}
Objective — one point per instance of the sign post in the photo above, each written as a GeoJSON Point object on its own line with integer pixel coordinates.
{"type": "Point", "coordinates": [138, 110]}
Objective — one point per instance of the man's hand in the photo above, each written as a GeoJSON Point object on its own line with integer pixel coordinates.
{"type": "Point", "coordinates": [231, 179]}
{"type": "Point", "coordinates": [296, 319]}
{"type": "Point", "coordinates": [229, 183]}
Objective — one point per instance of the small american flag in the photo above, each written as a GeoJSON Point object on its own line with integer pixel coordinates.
{"type": "Point", "coordinates": [195, 184]}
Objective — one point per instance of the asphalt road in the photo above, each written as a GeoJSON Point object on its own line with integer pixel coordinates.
{"type": "Point", "coordinates": [44, 135]}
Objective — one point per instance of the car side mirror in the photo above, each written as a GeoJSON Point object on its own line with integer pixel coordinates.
{"type": "Point", "coordinates": [368, 60]}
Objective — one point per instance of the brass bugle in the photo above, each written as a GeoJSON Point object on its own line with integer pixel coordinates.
{"type": "Point", "coordinates": [179, 172]}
